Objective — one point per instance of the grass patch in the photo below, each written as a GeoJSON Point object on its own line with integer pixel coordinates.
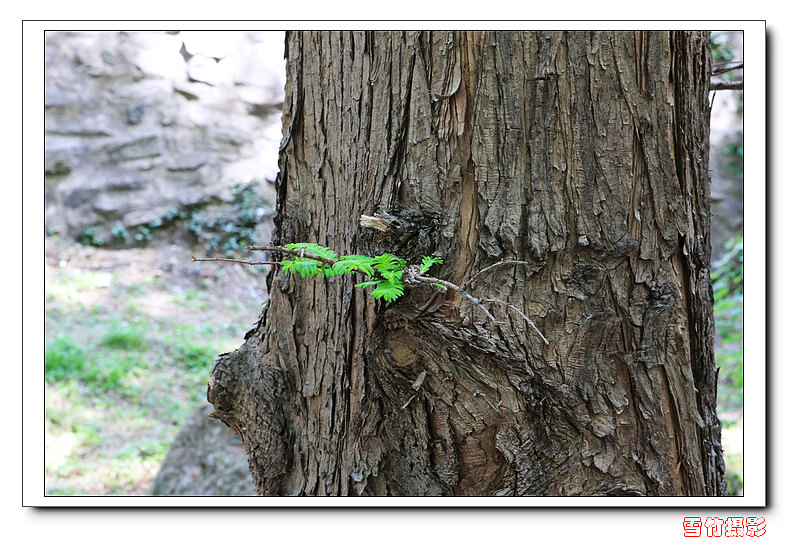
{"type": "Point", "coordinates": [63, 358]}
{"type": "Point", "coordinates": [195, 356]}
{"type": "Point", "coordinates": [124, 337]}
{"type": "Point", "coordinates": [732, 437]}
{"type": "Point", "coordinates": [192, 300]}
{"type": "Point", "coordinates": [105, 378]}
{"type": "Point", "coordinates": [728, 282]}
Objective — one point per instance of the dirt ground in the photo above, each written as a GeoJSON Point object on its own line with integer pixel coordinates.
{"type": "Point", "coordinates": [169, 269]}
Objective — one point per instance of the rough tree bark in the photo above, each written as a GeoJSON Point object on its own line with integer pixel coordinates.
{"type": "Point", "coordinates": [584, 154]}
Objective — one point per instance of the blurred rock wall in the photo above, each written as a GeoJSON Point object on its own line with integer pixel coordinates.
{"type": "Point", "coordinates": [140, 123]}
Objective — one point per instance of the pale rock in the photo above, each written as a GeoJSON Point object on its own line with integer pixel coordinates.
{"type": "Point", "coordinates": [127, 131]}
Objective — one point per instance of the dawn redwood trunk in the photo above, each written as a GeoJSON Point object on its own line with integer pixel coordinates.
{"type": "Point", "coordinates": [582, 153]}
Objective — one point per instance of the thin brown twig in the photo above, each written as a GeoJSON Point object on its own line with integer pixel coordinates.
{"type": "Point", "coordinates": [478, 301]}
{"type": "Point", "coordinates": [300, 253]}
{"type": "Point", "coordinates": [518, 310]}
{"type": "Point", "coordinates": [721, 85]}
{"type": "Point", "coordinates": [720, 69]}
{"type": "Point", "coordinates": [218, 259]}
{"type": "Point", "coordinates": [423, 280]}
{"type": "Point", "coordinates": [496, 265]}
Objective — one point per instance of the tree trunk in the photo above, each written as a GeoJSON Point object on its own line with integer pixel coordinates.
{"type": "Point", "coordinates": [582, 153]}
